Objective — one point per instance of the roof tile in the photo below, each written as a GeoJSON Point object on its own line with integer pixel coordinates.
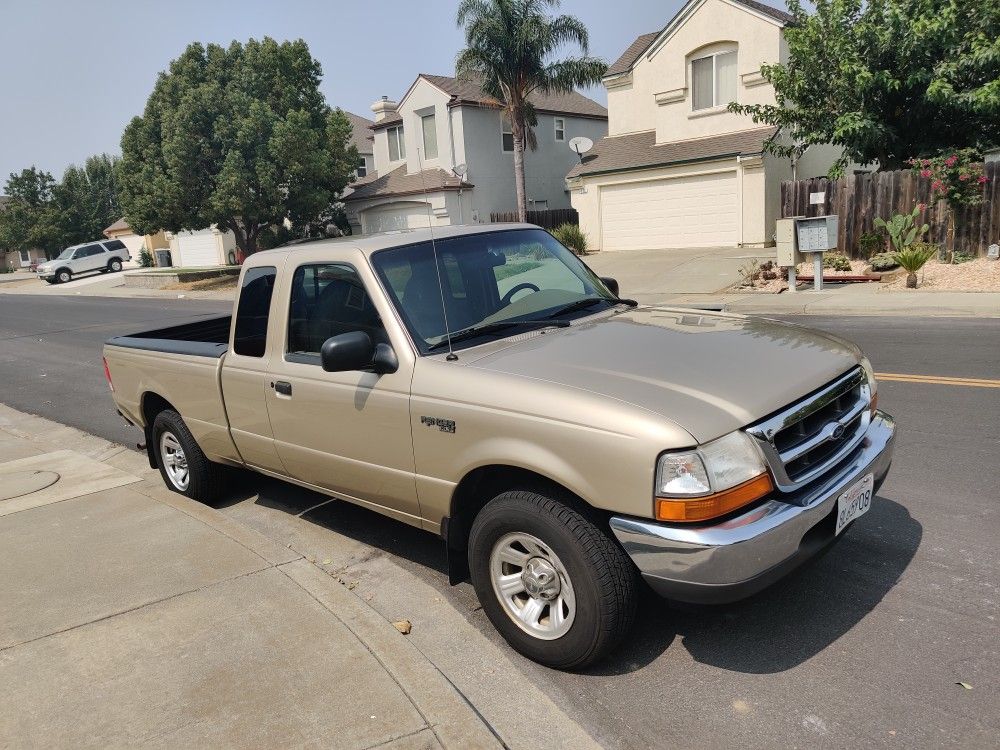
{"type": "Point", "coordinates": [398, 182]}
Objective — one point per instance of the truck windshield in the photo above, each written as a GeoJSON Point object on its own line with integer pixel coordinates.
{"type": "Point", "coordinates": [66, 254]}
{"type": "Point", "coordinates": [519, 278]}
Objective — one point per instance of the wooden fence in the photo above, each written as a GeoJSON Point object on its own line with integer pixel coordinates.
{"type": "Point", "coordinates": [547, 219]}
{"type": "Point", "coordinates": [858, 199]}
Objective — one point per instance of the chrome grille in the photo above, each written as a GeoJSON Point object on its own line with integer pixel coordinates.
{"type": "Point", "coordinates": [805, 439]}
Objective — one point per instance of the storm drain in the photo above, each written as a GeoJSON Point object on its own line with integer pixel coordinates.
{"type": "Point", "coordinates": [19, 483]}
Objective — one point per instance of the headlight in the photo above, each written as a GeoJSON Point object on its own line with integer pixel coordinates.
{"type": "Point", "coordinates": [711, 480]}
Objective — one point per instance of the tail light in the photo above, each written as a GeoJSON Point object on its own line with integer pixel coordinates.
{"type": "Point", "coordinates": [107, 374]}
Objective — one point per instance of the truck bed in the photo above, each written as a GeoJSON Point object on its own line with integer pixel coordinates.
{"type": "Point", "coordinates": [203, 338]}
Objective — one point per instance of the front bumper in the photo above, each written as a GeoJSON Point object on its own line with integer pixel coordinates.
{"type": "Point", "coordinates": [46, 274]}
{"type": "Point", "coordinates": [736, 558]}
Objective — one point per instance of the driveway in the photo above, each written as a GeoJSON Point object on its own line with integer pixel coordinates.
{"type": "Point", "coordinates": [650, 275]}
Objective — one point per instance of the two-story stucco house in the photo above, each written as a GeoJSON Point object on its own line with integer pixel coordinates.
{"type": "Point", "coordinates": [444, 155]}
{"type": "Point", "coordinates": [361, 139]}
{"type": "Point", "coordinates": [677, 169]}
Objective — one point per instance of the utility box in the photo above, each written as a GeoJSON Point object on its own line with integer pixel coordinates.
{"type": "Point", "coordinates": [816, 235]}
{"type": "Point", "coordinates": [785, 244]}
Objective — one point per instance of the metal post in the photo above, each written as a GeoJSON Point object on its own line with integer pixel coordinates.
{"type": "Point", "coordinates": [791, 278]}
{"type": "Point", "coordinates": [818, 272]}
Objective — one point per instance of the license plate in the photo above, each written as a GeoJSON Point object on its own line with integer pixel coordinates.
{"type": "Point", "coordinates": [855, 501]}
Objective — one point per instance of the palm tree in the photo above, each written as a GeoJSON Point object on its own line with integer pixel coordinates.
{"type": "Point", "coordinates": [509, 45]}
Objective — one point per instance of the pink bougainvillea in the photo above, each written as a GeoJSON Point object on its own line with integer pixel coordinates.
{"type": "Point", "coordinates": [957, 178]}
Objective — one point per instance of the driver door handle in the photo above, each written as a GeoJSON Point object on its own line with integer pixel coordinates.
{"type": "Point", "coordinates": [282, 387]}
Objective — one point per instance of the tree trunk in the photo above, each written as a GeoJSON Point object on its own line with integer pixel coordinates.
{"type": "Point", "coordinates": [911, 281]}
{"type": "Point", "coordinates": [246, 239]}
{"type": "Point", "coordinates": [517, 130]}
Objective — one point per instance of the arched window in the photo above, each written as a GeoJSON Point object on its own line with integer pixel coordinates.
{"type": "Point", "coordinates": [713, 76]}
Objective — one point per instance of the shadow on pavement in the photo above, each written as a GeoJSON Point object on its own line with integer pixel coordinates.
{"type": "Point", "coordinates": [776, 630]}
{"type": "Point", "coordinates": [797, 617]}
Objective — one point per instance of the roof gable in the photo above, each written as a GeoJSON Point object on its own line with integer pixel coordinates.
{"type": "Point", "coordinates": [653, 41]}
{"type": "Point", "coordinates": [360, 132]}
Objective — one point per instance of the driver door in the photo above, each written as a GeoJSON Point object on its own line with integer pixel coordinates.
{"type": "Point", "coordinates": [347, 432]}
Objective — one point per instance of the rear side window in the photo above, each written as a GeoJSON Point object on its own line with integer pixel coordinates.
{"type": "Point", "coordinates": [113, 245]}
{"type": "Point", "coordinates": [250, 338]}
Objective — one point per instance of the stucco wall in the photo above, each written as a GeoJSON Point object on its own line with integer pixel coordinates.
{"type": "Point", "coordinates": [659, 94]}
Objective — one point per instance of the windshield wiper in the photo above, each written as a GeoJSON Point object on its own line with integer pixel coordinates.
{"type": "Point", "coordinates": [582, 304]}
{"type": "Point", "coordinates": [495, 327]}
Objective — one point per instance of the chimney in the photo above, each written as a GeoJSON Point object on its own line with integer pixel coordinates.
{"type": "Point", "coordinates": [383, 108]}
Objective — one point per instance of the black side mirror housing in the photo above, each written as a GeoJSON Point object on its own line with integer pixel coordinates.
{"type": "Point", "coordinates": [611, 284]}
{"type": "Point", "coordinates": [357, 351]}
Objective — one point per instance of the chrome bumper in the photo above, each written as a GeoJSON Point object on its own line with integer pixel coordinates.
{"type": "Point", "coordinates": [738, 557]}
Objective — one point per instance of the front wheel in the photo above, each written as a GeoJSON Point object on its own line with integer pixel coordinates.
{"type": "Point", "coordinates": [182, 464]}
{"type": "Point", "coordinates": [557, 588]}
{"type": "Point", "coordinates": [64, 276]}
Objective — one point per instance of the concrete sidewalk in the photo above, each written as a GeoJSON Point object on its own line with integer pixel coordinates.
{"type": "Point", "coordinates": [133, 616]}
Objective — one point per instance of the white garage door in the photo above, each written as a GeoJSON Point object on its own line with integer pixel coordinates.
{"type": "Point", "coordinates": [679, 212]}
{"type": "Point", "coordinates": [198, 249]}
{"type": "Point", "coordinates": [406, 215]}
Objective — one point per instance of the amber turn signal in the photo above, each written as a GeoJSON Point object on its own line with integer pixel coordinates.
{"type": "Point", "coordinates": [873, 407]}
{"type": "Point", "coordinates": [713, 506]}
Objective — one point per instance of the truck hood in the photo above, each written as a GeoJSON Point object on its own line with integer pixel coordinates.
{"type": "Point", "coordinates": [708, 373]}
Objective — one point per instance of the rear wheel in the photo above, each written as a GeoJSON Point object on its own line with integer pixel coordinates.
{"type": "Point", "coordinates": [115, 265]}
{"type": "Point", "coordinates": [64, 275]}
{"type": "Point", "coordinates": [555, 586]}
{"type": "Point", "coordinates": [182, 464]}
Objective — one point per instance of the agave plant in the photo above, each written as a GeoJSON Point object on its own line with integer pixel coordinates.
{"type": "Point", "coordinates": [913, 258]}
{"type": "Point", "coordinates": [903, 229]}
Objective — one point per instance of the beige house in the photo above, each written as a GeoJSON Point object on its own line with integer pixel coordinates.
{"type": "Point", "coordinates": [677, 169]}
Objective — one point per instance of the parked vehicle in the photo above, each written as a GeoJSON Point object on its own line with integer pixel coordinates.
{"type": "Point", "coordinates": [104, 256]}
{"type": "Point", "coordinates": [483, 384]}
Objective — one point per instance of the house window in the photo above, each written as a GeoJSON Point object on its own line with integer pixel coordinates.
{"type": "Point", "coordinates": [507, 135]}
{"type": "Point", "coordinates": [560, 129]}
{"type": "Point", "coordinates": [713, 80]}
{"type": "Point", "coordinates": [429, 130]}
{"type": "Point", "coordinates": [397, 146]}
{"type": "Point", "coordinates": [362, 169]}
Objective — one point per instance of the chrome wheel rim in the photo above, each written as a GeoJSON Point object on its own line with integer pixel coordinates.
{"type": "Point", "coordinates": [63, 277]}
{"type": "Point", "coordinates": [533, 586]}
{"type": "Point", "coordinates": [174, 461]}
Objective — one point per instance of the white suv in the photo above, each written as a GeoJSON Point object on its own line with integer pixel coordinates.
{"type": "Point", "coordinates": [104, 256]}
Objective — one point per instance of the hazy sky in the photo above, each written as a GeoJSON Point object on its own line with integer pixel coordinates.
{"type": "Point", "coordinates": [74, 73]}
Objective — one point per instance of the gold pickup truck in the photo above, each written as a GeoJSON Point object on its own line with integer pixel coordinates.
{"type": "Point", "coordinates": [484, 384]}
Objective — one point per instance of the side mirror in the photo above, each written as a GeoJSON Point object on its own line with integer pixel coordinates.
{"type": "Point", "coordinates": [356, 351]}
{"type": "Point", "coordinates": [611, 284]}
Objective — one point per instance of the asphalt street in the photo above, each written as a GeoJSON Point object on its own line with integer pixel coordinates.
{"type": "Point", "coordinates": [866, 647]}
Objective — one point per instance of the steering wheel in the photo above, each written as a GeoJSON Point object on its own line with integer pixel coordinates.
{"type": "Point", "coordinates": [506, 299]}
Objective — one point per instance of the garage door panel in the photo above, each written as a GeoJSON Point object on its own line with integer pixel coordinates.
{"type": "Point", "coordinates": [394, 216]}
{"type": "Point", "coordinates": [198, 249]}
{"type": "Point", "coordinates": [679, 212]}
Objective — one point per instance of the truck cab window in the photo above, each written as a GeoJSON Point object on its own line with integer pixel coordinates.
{"type": "Point", "coordinates": [329, 299]}
{"type": "Point", "coordinates": [250, 337]}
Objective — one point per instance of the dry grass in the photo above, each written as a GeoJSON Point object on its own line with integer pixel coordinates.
{"type": "Point", "coordinates": [980, 275]}
{"type": "Point", "coordinates": [216, 284]}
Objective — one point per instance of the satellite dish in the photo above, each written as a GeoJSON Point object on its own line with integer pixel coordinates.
{"type": "Point", "coordinates": [580, 145]}
{"type": "Point", "coordinates": [460, 170]}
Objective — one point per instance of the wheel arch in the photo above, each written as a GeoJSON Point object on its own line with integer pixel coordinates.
{"type": "Point", "coordinates": [151, 404]}
{"type": "Point", "coordinates": [482, 484]}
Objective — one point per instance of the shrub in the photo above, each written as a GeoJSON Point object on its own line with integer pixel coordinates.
{"type": "Point", "coordinates": [146, 258]}
{"type": "Point", "coordinates": [883, 262]}
{"type": "Point", "coordinates": [869, 244]}
{"type": "Point", "coordinates": [903, 229]}
{"type": "Point", "coordinates": [913, 258]}
{"type": "Point", "coordinates": [836, 261]}
{"type": "Point", "coordinates": [769, 271]}
{"type": "Point", "coordinates": [571, 236]}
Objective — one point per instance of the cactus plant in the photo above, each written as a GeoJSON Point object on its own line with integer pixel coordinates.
{"type": "Point", "coordinates": [903, 229]}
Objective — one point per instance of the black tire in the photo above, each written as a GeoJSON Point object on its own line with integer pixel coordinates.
{"type": "Point", "coordinates": [205, 479]}
{"type": "Point", "coordinates": [603, 578]}
{"type": "Point", "coordinates": [114, 265]}
{"type": "Point", "coordinates": [50, 281]}
{"type": "Point", "coordinates": [64, 275]}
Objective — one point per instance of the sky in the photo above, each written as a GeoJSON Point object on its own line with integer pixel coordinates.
{"type": "Point", "coordinates": [75, 73]}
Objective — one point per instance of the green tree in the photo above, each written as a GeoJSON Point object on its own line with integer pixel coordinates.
{"type": "Point", "coordinates": [28, 219]}
{"type": "Point", "coordinates": [509, 49]}
{"type": "Point", "coordinates": [886, 79]}
{"type": "Point", "coordinates": [240, 137]}
{"type": "Point", "coordinates": [85, 202]}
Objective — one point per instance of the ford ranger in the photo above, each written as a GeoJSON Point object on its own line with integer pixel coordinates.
{"type": "Point", "coordinates": [482, 383]}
